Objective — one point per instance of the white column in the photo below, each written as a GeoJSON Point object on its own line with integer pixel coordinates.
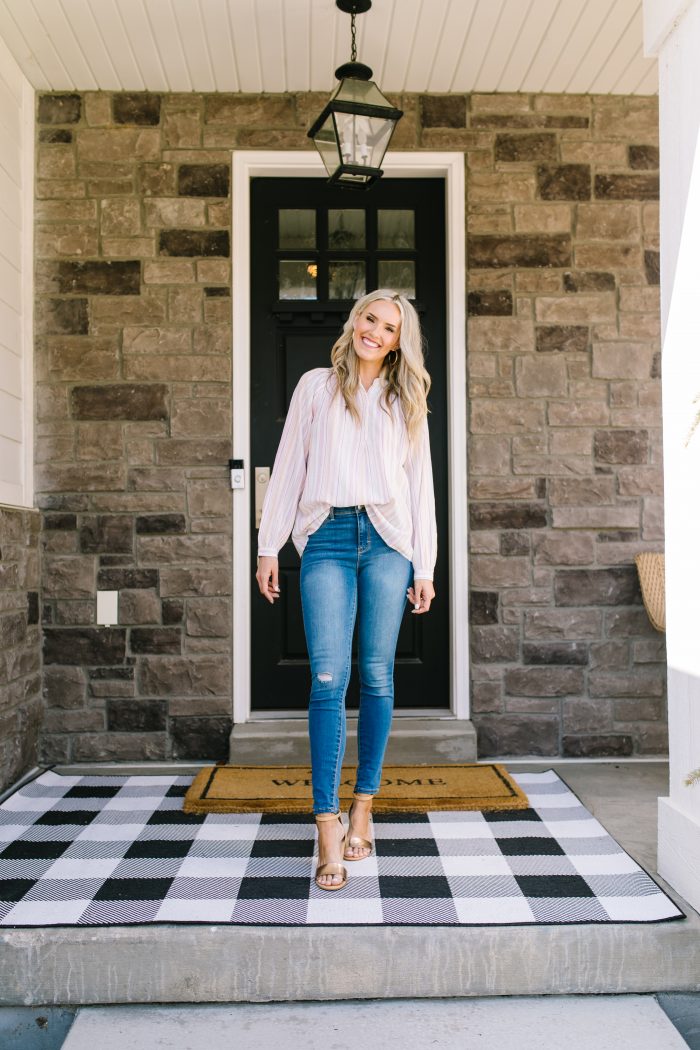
{"type": "Point", "coordinates": [672, 31]}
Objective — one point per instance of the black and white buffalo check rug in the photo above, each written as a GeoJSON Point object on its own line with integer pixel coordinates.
{"type": "Point", "coordinates": [118, 850]}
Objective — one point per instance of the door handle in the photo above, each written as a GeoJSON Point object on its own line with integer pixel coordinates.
{"type": "Point", "coordinates": [262, 477]}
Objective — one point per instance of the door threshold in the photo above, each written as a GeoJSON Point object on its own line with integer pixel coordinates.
{"type": "Point", "coordinates": [285, 741]}
{"type": "Point", "coordinates": [414, 712]}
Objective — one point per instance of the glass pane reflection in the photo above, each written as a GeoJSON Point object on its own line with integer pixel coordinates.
{"type": "Point", "coordinates": [346, 228]}
{"type": "Point", "coordinates": [297, 279]}
{"type": "Point", "coordinates": [346, 280]}
{"type": "Point", "coordinates": [396, 229]}
{"type": "Point", "coordinates": [297, 228]}
{"type": "Point", "coordinates": [327, 146]}
{"type": "Point", "coordinates": [399, 275]}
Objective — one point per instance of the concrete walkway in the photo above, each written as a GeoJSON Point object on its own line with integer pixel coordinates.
{"type": "Point", "coordinates": [605, 1022]}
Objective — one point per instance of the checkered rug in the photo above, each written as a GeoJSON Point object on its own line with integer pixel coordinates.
{"type": "Point", "coordinates": [118, 850]}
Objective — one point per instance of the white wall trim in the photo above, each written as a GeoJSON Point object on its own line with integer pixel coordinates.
{"type": "Point", "coordinates": [28, 292]}
{"type": "Point", "coordinates": [306, 164]}
{"type": "Point", "coordinates": [16, 381]}
{"type": "Point", "coordinates": [678, 850]}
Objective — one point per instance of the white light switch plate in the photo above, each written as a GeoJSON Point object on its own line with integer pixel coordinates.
{"type": "Point", "coordinates": [107, 608]}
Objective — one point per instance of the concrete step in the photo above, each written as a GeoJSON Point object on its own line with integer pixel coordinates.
{"type": "Point", "coordinates": [412, 740]}
{"type": "Point", "coordinates": [195, 964]}
{"type": "Point", "coordinates": [606, 1023]}
{"type": "Point", "coordinates": [217, 964]}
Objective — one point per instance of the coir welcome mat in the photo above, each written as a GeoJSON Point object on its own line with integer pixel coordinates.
{"type": "Point", "coordinates": [416, 788]}
{"type": "Point", "coordinates": [119, 851]}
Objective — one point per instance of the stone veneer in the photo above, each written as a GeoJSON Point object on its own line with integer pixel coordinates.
{"type": "Point", "coordinates": [134, 413]}
{"type": "Point", "coordinates": [20, 649]}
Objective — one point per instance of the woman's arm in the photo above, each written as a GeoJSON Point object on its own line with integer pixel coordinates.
{"type": "Point", "coordinates": [284, 488]}
{"type": "Point", "coordinates": [288, 473]}
{"type": "Point", "coordinates": [420, 479]}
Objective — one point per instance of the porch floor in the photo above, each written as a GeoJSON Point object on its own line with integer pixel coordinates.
{"type": "Point", "coordinates": [152, 964]}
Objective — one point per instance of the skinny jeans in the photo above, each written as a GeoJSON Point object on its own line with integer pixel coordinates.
{"type": "Point", "coordinates": [348, 571]}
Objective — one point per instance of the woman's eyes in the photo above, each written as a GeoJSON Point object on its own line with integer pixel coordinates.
{"type": "Point", "coordinates": [388, 327]}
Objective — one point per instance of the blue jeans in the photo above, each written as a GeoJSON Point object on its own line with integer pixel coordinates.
{"type": "Point", "coordinates": [347, 569]}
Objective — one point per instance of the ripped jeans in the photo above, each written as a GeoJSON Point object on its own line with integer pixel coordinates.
{"type": "Point", "coordinates": [348, 570]}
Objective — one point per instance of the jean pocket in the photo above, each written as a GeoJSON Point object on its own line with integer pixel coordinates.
{"type": "Point", "coordinates": [324, 522]}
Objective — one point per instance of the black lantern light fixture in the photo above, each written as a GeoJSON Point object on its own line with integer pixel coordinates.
{"type": "Point", "coordinates": [353, 132]}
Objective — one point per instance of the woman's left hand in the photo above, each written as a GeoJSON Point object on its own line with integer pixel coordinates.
{"type": "Point", "coordinates": [421, 595]}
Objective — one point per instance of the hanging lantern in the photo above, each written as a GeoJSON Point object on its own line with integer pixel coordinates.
{"type": "Point", "coordinates": [353, 132]}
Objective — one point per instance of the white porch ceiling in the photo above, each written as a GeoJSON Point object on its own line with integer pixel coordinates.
{"type": "Point", "coordinates": [577, 46]}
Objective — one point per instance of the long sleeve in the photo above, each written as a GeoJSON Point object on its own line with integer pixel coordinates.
{"type": "Point", "coordinates": [288, 473]}
{"type": "Point", "coordinates": [419, 470]}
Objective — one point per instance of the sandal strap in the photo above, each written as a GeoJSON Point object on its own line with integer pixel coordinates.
{"type": "Point", "coordinates": [328, 816]}
{"type": "Point", "coordinates": [353, 841]}
{"type": "Point", "coordinates": [331, 868]}
{"type": "Point", "coordinates": [357, 840]}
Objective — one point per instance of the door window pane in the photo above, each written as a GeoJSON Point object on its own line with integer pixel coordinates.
{"type": "Point", "coordinates": [346, 228]}
{"type": "Point", "coordinates": [396, 229]}
{"type": "Point", "coordinates": [297, 279]}
{"type": "Point", "coordinates": [297, 228]}
{"type": "Point", "coordinates": [399, 275]}
{"type": "Point", "coordinates": [346, 280]}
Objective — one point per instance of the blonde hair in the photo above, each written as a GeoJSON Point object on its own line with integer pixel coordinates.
{"type": "Point", "coordinates": [407, 376]}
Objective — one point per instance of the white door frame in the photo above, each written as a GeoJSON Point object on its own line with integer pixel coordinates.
{"type": "Point", "coordinates": [248, 164]}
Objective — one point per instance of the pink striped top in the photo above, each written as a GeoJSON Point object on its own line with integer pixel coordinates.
{"type": "Point", "coordinates": [325, 460]}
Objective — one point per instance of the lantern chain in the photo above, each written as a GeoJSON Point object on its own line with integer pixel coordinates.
{"type": "Point", "coordinates": [353, 43]}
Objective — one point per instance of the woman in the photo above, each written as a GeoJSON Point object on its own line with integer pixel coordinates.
{"type": "Point", "coordinates": [352, 481]}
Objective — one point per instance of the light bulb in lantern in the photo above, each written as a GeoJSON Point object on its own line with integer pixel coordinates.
{"type": "Point", "coordinates": [353, 131]}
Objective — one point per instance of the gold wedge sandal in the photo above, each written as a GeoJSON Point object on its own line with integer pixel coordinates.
{"type": "Point", "coordinates": [331, 867]}
{"type": "Point", "coordinates": [357, 840]}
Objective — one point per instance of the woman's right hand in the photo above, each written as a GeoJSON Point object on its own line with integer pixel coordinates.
{"type": "Point", "coordinates": [268, 577]}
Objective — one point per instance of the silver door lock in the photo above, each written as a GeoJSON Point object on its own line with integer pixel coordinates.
{"type": "Point", "coordinates": [237, 473]}
{"type": "Point", "coordinates": [262, 479]}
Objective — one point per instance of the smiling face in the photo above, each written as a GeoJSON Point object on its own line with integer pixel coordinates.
{"type": "Point", "coordinates": [376, 331]}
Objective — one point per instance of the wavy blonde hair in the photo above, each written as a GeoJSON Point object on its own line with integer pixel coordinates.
{"type": "Point", "coordinates": [407, 376]}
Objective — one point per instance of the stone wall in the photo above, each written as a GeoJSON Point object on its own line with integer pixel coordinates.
{"type": "Point", "coordinates": [134, 412]}
{"type": "Point", "coordinates": [20, 649]}
{"type": "Point", "coordinates": [565, 473]}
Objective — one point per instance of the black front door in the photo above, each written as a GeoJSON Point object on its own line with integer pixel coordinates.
{"type": "Point", "coordinates": [314, 249]}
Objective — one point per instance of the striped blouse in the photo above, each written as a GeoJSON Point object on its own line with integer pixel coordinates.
{"type": "Point", "coordinates": [325, 460]}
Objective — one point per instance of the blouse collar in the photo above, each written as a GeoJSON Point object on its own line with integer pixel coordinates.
{"type": "Point", "coordinates": [376, 384]}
